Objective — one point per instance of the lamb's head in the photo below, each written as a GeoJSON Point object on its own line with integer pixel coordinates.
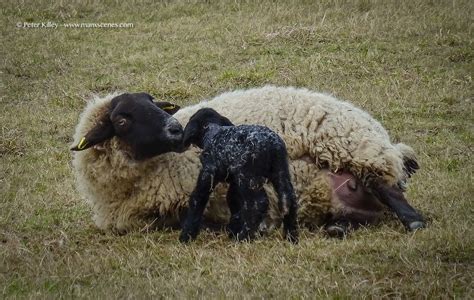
{"type": "Point", "coordinates": [199, 123]}
{"type": "Point", "coordinates": [145, 126]}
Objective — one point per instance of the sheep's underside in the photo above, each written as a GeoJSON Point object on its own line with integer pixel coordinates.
{"type": "Point", "coordinates": [352, 205]}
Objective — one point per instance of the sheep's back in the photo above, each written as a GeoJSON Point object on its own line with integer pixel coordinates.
{"type": "Point", "coordinates": [333, 133]}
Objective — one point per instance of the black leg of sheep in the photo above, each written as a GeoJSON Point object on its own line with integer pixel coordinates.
{"type": "Point", "coordinates": [393, 197]}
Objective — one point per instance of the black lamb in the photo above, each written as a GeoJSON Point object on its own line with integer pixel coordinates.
{"type": "Point", "coordinates": [246, 157]}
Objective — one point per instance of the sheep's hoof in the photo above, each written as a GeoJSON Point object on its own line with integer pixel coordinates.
{"type": "Point", "coordinates": [336, 230]}
{"type": "Point", "coordinates": [416, 225]}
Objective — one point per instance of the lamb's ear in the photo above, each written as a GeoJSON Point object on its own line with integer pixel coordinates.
{"type": "Point", "coordinates": [104, 130]}
{"type": "Point", "coordinates": [225, 122]}
{"type": "Point", "coordinates": [168, 107]}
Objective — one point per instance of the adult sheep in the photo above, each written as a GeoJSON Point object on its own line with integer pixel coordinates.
{"type": "Point", "coordinates": [342, 162]}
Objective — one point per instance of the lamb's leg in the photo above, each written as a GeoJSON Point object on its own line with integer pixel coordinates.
{"type": "Point", "coordinates": [233, 201]}
{"type": "Point", "coordinates": [287, 202]}
{"type": "Point", "coordinates": [393, 197]}
{"type": "Point", "coordinates": [197, 204]}
{"type": "Point", "coordinates": [262, 204]}
{"type": "Point", "coordinates": [254, 207]}
{"type": "Point", "coordinates": [248, 226]}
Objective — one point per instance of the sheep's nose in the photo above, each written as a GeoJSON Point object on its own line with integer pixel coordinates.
{"type": "Point", "coordinates": [176, 129]}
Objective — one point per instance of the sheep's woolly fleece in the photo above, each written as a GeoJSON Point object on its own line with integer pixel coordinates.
{"type": "Point", "coordinates": [319, 131]}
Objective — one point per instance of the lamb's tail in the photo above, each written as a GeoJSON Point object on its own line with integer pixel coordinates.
{"type": "Point", "coordinates": [410, 163]}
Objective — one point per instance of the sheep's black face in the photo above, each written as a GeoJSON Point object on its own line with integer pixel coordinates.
{"type": "Point", "coordinates": [146, 127]}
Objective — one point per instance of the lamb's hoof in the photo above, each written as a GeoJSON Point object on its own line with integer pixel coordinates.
{"type": "Point", "coordinates": [244, 236]}
{"type": "Point", "coordinates": [336, 230]}
{"type": "Point", "coordinates": [233, 230]}
{"type": "Point", "coordinates": [415, 225]}
{"type": "Point", "coordinates": [185, 238]}
{"type": "Point", "coordinates": [293, 238]}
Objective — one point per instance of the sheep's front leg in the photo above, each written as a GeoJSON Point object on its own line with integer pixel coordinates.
{"type": "Point", "coordinates": [393, 197]}
{"type": "Point", "coordinates": [197, 204]}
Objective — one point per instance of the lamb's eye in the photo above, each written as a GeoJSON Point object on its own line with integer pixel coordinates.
{"type": "Point", "coordinates": [122, 122]}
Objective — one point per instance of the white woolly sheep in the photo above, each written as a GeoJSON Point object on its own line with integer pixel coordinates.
{"type": "Point", "coordinates": [323, 136]}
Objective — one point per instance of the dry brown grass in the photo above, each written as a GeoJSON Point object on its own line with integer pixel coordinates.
{"type": "Point", "coordinates": [409, 63]}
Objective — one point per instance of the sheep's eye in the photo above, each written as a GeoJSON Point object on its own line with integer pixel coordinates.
{"type": "Point", "coordinates": [122, 122]}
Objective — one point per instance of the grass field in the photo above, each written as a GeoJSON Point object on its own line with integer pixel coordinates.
{"type": "Point", "coordinates": [409, 63]}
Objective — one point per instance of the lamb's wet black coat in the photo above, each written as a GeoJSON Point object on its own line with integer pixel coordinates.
{"type": "Point", "coordinates": [244, 152]}
{"type": "Point", "coordinates": [244, 156]}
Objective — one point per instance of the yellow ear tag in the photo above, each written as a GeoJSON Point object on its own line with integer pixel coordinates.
{"type": "Point", "coordinates": [82, 144]}
{"type": "Point", "coordinates": [169, 107]}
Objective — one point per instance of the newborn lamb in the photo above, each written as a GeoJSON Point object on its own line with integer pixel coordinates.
{"type": "Point", "coordinates": [244, 156]}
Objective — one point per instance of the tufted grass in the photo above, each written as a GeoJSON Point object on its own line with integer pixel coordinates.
{"type": "Point", "coordinates": [409, 63]}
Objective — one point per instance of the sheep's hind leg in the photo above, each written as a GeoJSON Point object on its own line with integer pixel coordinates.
{"type": "Point", "coordinates": [197, 204]}
{"type": "Point", "coordinates": [393, 197]}
{"type": "Point", "coordinates": [355, 206]}
{"type": "Point", "coordinates": [340, 227]}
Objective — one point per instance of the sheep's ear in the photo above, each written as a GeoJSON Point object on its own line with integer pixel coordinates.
{"type": "Point", "coordinates": [168, 107]}
{"type": "Point", "coordinates": [104, 130]}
